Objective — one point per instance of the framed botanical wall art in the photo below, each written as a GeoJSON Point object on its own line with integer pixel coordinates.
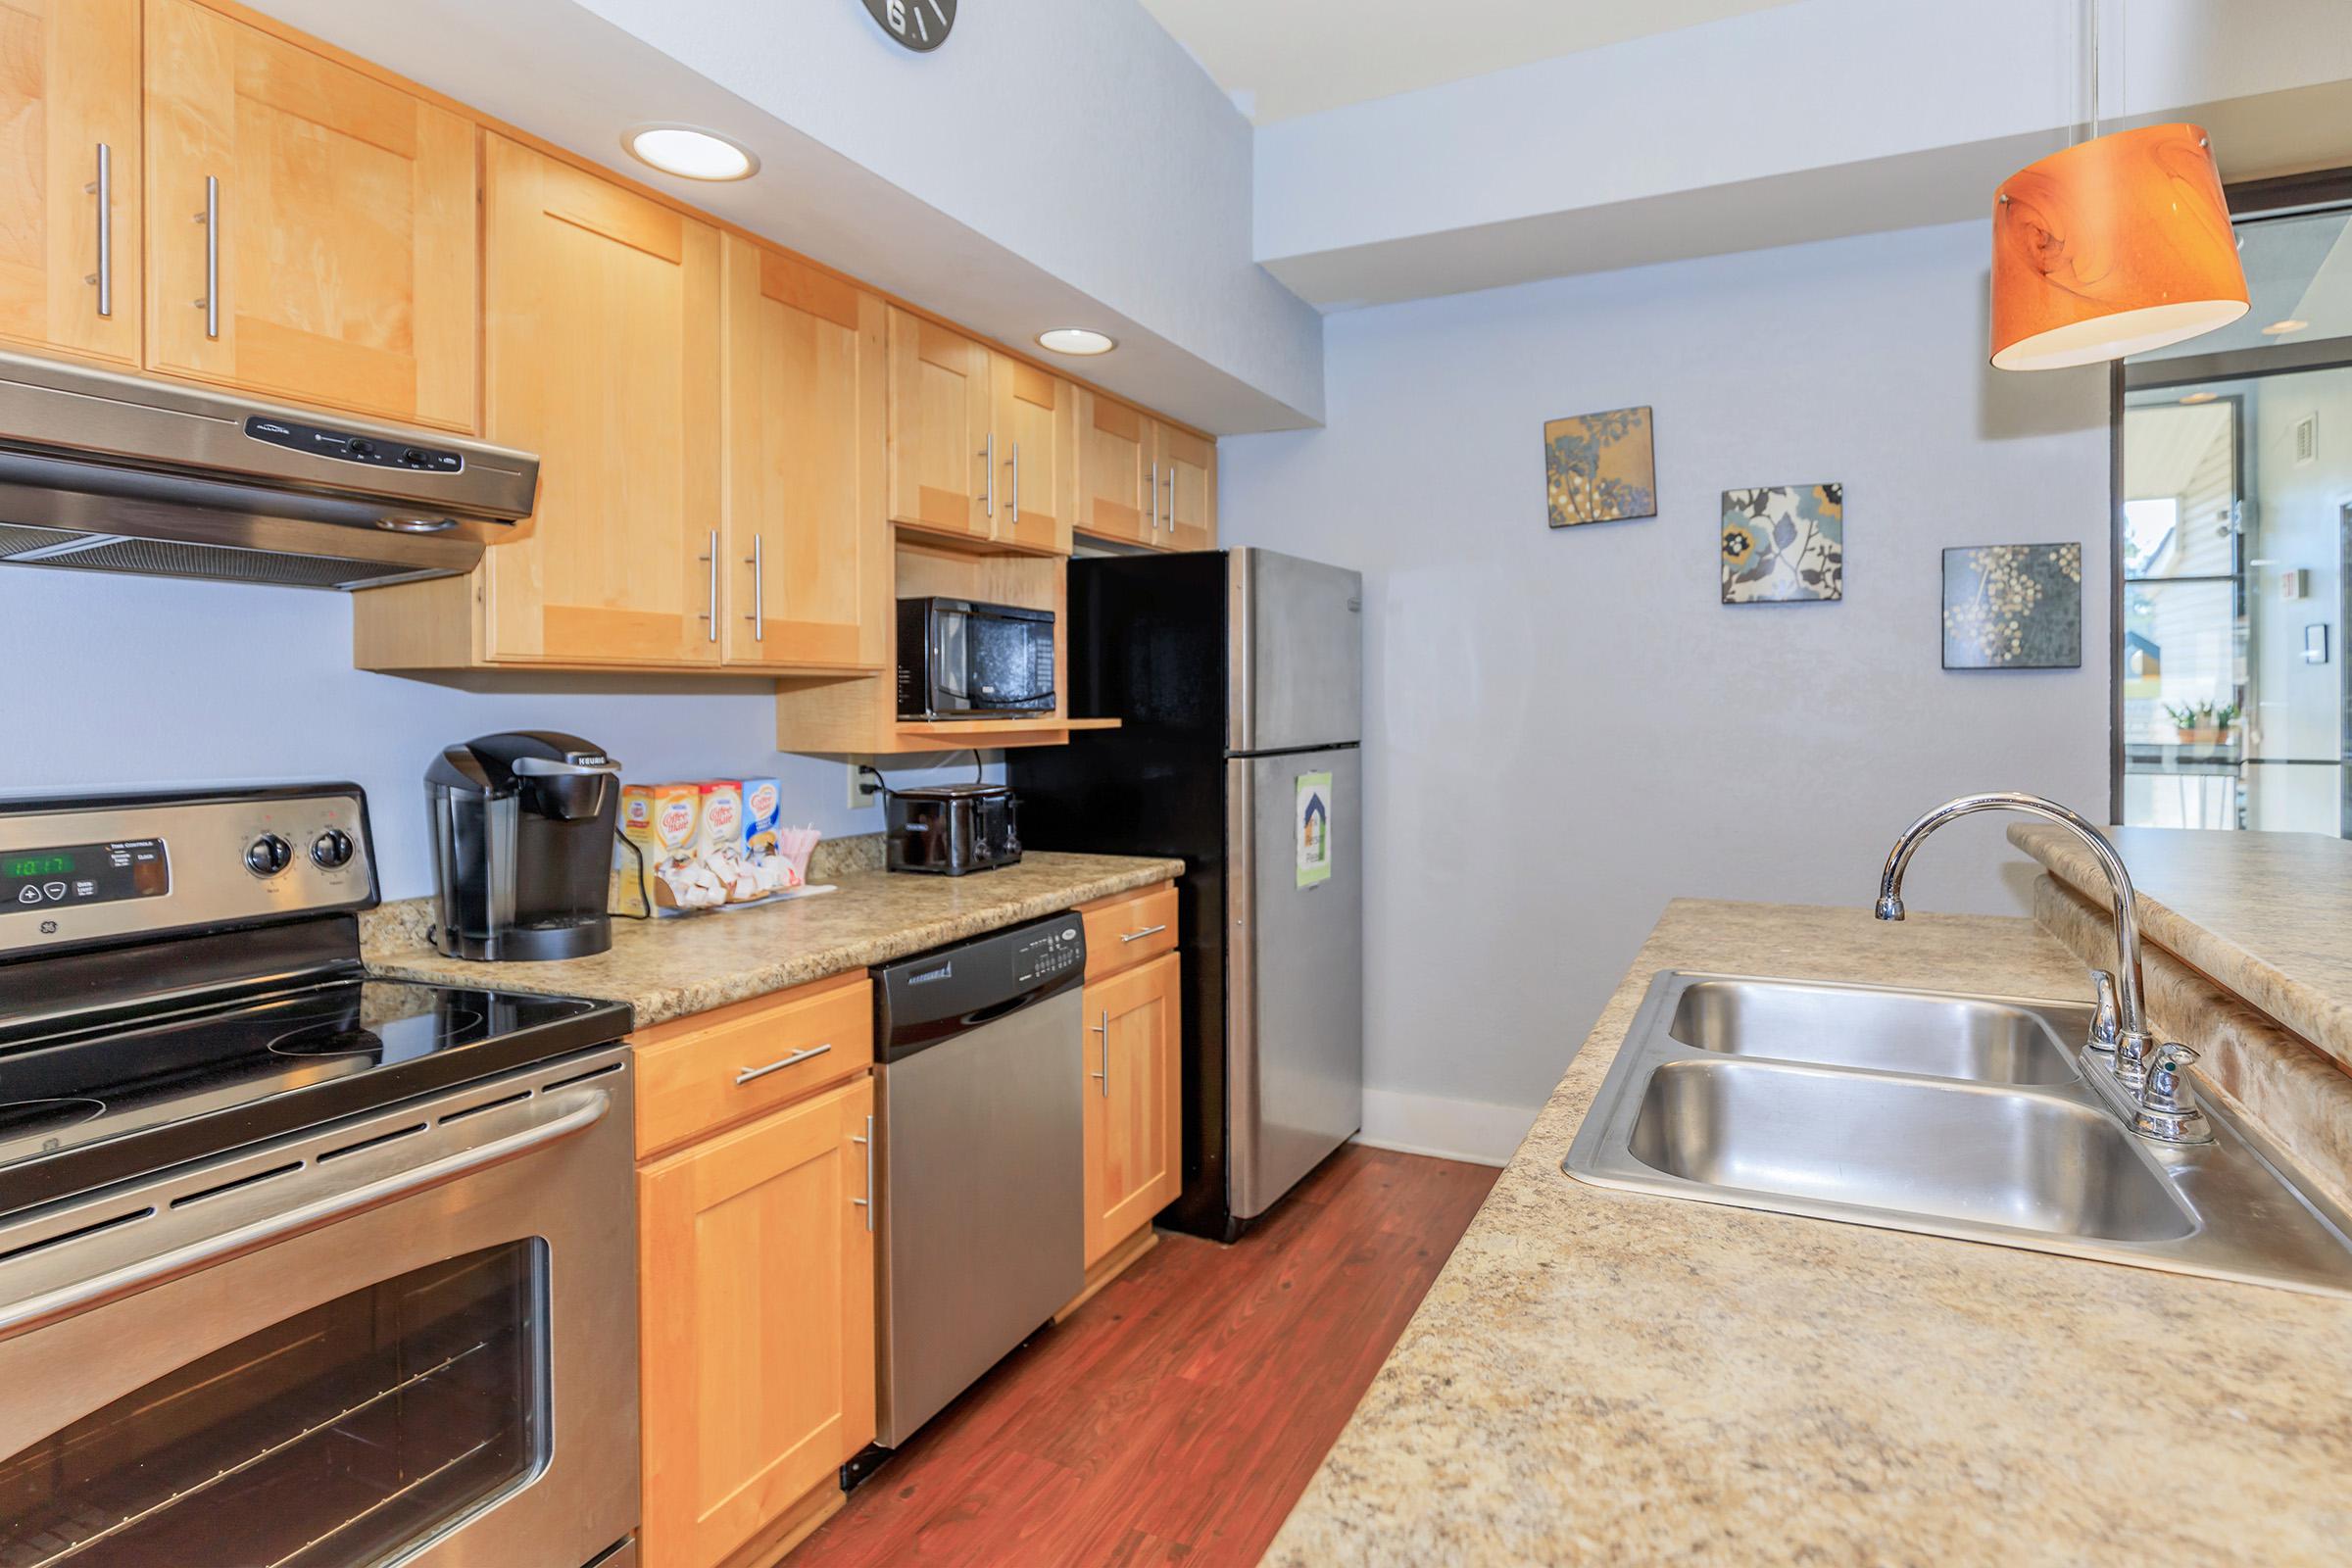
{"type": "Point", "coordinates": [1599, 467]}
{"type": "Point", "coordinates": [2013, 606]}
{"type": "Point", "coordinates": [1784, 544]}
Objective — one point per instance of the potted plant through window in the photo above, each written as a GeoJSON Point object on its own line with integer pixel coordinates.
{"type": "Point", "coordinates": [2203, 723]}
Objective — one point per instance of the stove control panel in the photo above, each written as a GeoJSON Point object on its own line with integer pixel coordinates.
{"type": "Point", "coordinates": [104, 868]}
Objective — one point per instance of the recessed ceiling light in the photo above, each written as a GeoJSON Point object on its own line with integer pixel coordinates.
{"type": "Point", "coordinates": [689, 153]}
{"type": "Point", "coordinates": [1075, 340]}
{"type": "Point", "coordinates": [2200, 397]}
{"type": "Point", "coordinates": [2290, 324]}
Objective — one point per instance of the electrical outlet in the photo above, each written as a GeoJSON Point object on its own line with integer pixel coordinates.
{"type": "Point", "coordinates": [861, 789]}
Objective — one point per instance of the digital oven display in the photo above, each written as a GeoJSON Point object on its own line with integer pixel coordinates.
{"type": "Point", "coordinates": [74, 874]}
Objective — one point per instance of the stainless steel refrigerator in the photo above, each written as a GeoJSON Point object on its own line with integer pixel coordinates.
{"type": "Point", "coordinates": [1238, 678]}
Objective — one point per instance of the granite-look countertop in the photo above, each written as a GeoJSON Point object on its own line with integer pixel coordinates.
{"type": "Point", "coordinates": [670, 968]}
{"type": "Point", "coordinates": [1611, 1378]}
{"type": "Point", "coordinates": [2265, 915]}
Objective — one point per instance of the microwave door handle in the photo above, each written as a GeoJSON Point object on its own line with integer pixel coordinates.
{"type": "Point", "coordinates": [298, 1212]}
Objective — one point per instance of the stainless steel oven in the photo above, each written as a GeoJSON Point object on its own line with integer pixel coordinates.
{"type": "Point", "coordinates": [298, 1268]}
{"type": "Point", "coordinates": [409, 1337]}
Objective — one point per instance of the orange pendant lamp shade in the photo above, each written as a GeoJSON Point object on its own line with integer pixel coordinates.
{"type": "Point", "coordinates": [2115, 246]}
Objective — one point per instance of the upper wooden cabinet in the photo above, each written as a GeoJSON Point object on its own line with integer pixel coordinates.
{"type": "Point", "coordinates": [757, 1315]}
{"type": "Point", "coordinates": [1114, 457]}
{"type": "Point", "coordinates": [942, 442]}
{"type": "Point", "coordinates": [1036, 420]}
{"type": "Point", "coordinates": [71, 255]}
{"type": "Point", "coordinates": [1142, 480]}
{"type": "Point", "coordinates": [807, 544]}
{"type": "Point", "coordinates": [309, 228]}
{"type": "Point", "coordinates": [981, 445]}
{"type": "Point", "coordinates": [1186, 466]}
{"type": "Point", "coordinates": [600, 353]}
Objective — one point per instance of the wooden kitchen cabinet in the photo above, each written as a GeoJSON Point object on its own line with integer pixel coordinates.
{"type": "Point", "coordinates": [757, 1325]}
{"type": "Point", "coordinates": [983, 447]}
{"type": "Point", "coordinates": [1133, 1106]}
{"type": "Point", "coordinates": [1115, 461]}
{"type": "Point", "coordinates": [601, 354]}
{"type": "Point", "coordinates": [806, 540]}
{"type": "Point", "coordinates": [941, 413]}
{"type": "Point", "coordinates": [69, 97]}
{"type": "Point", "coordinates": [1143, 481]}
{"type": "Point", "coordinates": [1036, 420]}
{"type": "Point", "coordinates": [1188, 475]}
{"type": "Point", "coordinates": [309, 228]}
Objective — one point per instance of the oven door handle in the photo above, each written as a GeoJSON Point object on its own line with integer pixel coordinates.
{"type": "Point", "coordinates": [557, 1118]}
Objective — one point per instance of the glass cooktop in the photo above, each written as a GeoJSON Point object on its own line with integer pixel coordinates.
{"type": "Point", "coordinates": [94, 1107]}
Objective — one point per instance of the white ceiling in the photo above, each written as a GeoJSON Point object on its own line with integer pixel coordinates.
{"type": "Point", "coordinates": [1283, 58]}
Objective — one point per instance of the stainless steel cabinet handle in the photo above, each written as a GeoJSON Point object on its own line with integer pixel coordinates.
{"type": "Point", "coordinates": [102, 187]}
{"type": "Point", "coordinates": [793, 1061]}
{"type": "Point", "coordinates": [1103, 1077]}
{"type": "Point", "coordinates": [1148, 931]}
{"type": "Point", "coordinates": [709, 559]}
{"type": "Point", "coordinates": [1171, 513]}
{"type": "Point", "coordinates": [759, 615]}
{"type": "Point", "coordinates": [1016, 484]}
{"type": "Point", "coordinates": [1155, 498]}
{"type": "Point", "coordinates": [210, 217]}
{"type": "Point", "coordinates": [867, 1202]}
{"type": "Point", "coordinates": [988, 455]}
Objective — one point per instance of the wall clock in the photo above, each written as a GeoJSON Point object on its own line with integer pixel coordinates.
{"type": "Point", "coordinates": [920, 25]}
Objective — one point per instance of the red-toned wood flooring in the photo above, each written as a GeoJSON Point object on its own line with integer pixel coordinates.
{"type": "Point", "coordinates": [1178, 1415]}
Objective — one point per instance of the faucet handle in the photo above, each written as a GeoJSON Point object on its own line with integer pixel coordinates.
{"type": "Point", "coordinates": [2106, 1024]}
{"type": "Point", "coordinates": [2168, 1107]}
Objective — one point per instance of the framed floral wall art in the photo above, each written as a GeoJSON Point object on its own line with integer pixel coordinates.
{"type": "Point", "coordinates": [2013, 606]}
{"type": "Point", "coordinates": [1784, 544]}
{"type": "Point", "coordinates": [1599, 467]}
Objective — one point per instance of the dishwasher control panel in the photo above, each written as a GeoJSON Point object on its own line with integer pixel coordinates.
{"type": "Point", "coordinates": [1053, 951]}
{"type": "Point", "coordinates": [920, 1001]}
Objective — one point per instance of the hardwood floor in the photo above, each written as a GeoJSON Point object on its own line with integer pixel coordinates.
{"type": "Point", "coordinates": [1177, 1415]}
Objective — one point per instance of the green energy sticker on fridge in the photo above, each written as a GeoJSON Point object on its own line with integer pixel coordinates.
{"type": "Point", "coordinates": [1314, 828]}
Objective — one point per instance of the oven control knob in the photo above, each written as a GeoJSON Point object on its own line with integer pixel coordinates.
{"type": "Point", "coordinates": [269, 854]}
{"type": "Point", "coordinates": [331, 849]}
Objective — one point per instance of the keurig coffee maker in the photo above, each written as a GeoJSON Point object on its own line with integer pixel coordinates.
{"type": "Point", "coordinates": [522, 846]}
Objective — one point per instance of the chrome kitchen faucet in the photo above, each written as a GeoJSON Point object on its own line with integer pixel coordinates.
{"type": "Point", "coordinates": [2139, 1080]}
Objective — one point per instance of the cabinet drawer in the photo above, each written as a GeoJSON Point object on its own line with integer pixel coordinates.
{"type": "Point", "coordinates": [1127, 928]}
{"type": "Point", "coordinates": [705, 1072]}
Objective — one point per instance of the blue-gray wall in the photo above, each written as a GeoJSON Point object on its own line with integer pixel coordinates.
{"type": "Point", "coordinates": [1566, 729]}
{"type": "Point", "coordinates": [139, 681]}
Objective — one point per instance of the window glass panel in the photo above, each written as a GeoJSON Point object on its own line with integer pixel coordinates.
{"type": "Point", "coordinates": [2180, 649]}
{"type": "Point", "coordinates": [334, 1437]}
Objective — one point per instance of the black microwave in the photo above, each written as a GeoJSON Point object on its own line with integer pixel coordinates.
{"type": "Point", "coordinates": [961, 660]}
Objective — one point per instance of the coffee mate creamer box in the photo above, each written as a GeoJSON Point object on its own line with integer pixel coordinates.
{"type": "Point", "coordinates": [720, 828]}
{"type": "Point", "coordinates": [631, 889]}
{"type": "Point", "coordinates": [763, 815]}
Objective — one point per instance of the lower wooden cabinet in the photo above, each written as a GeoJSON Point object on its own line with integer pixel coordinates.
{"type": "Point", "coordinates": [1133, 1108]}
{"type": "Point", "coordinates": [756, 1288]}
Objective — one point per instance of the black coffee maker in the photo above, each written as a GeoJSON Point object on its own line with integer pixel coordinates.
{"type": "Point", "coordinates": [522, 846]}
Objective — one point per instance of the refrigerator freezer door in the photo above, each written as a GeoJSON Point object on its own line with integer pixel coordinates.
{"type": "Point", "coordinates": [1295, 656]}
{"type": "Point", "coordinates": [1295, 1001]}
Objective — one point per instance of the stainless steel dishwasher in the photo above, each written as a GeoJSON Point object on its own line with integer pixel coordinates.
{"type": "Point", "coordinates": [981, 1147]}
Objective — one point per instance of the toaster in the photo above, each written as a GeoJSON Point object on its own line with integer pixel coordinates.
{"type": "Point", "coordinates": [951, 829]}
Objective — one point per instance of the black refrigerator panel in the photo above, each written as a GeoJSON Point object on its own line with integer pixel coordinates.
{"type": "Point", "coordinates": [1148, 647]}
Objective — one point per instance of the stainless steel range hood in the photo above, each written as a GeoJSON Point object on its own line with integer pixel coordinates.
{"type": "Point", "coordinates": [107, 473]}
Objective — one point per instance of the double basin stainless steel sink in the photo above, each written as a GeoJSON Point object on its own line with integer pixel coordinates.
{"type": "Point", "coordinates": [1954, 1115]}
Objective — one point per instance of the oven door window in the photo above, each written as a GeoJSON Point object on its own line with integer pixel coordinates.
{"type": "Point", "coordinates": [340, 1436]}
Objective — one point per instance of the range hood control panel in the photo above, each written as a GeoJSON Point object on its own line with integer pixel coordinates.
{"type": "Point", "coordinates": [346, 446]}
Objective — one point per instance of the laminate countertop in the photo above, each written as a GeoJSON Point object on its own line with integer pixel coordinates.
{"type": "Point", "coordinates": [1611, 1378]}
{"type": "Point", "coordinates": [671, 968]}
{"type": "Point", "coordinates": [2265, 915]}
